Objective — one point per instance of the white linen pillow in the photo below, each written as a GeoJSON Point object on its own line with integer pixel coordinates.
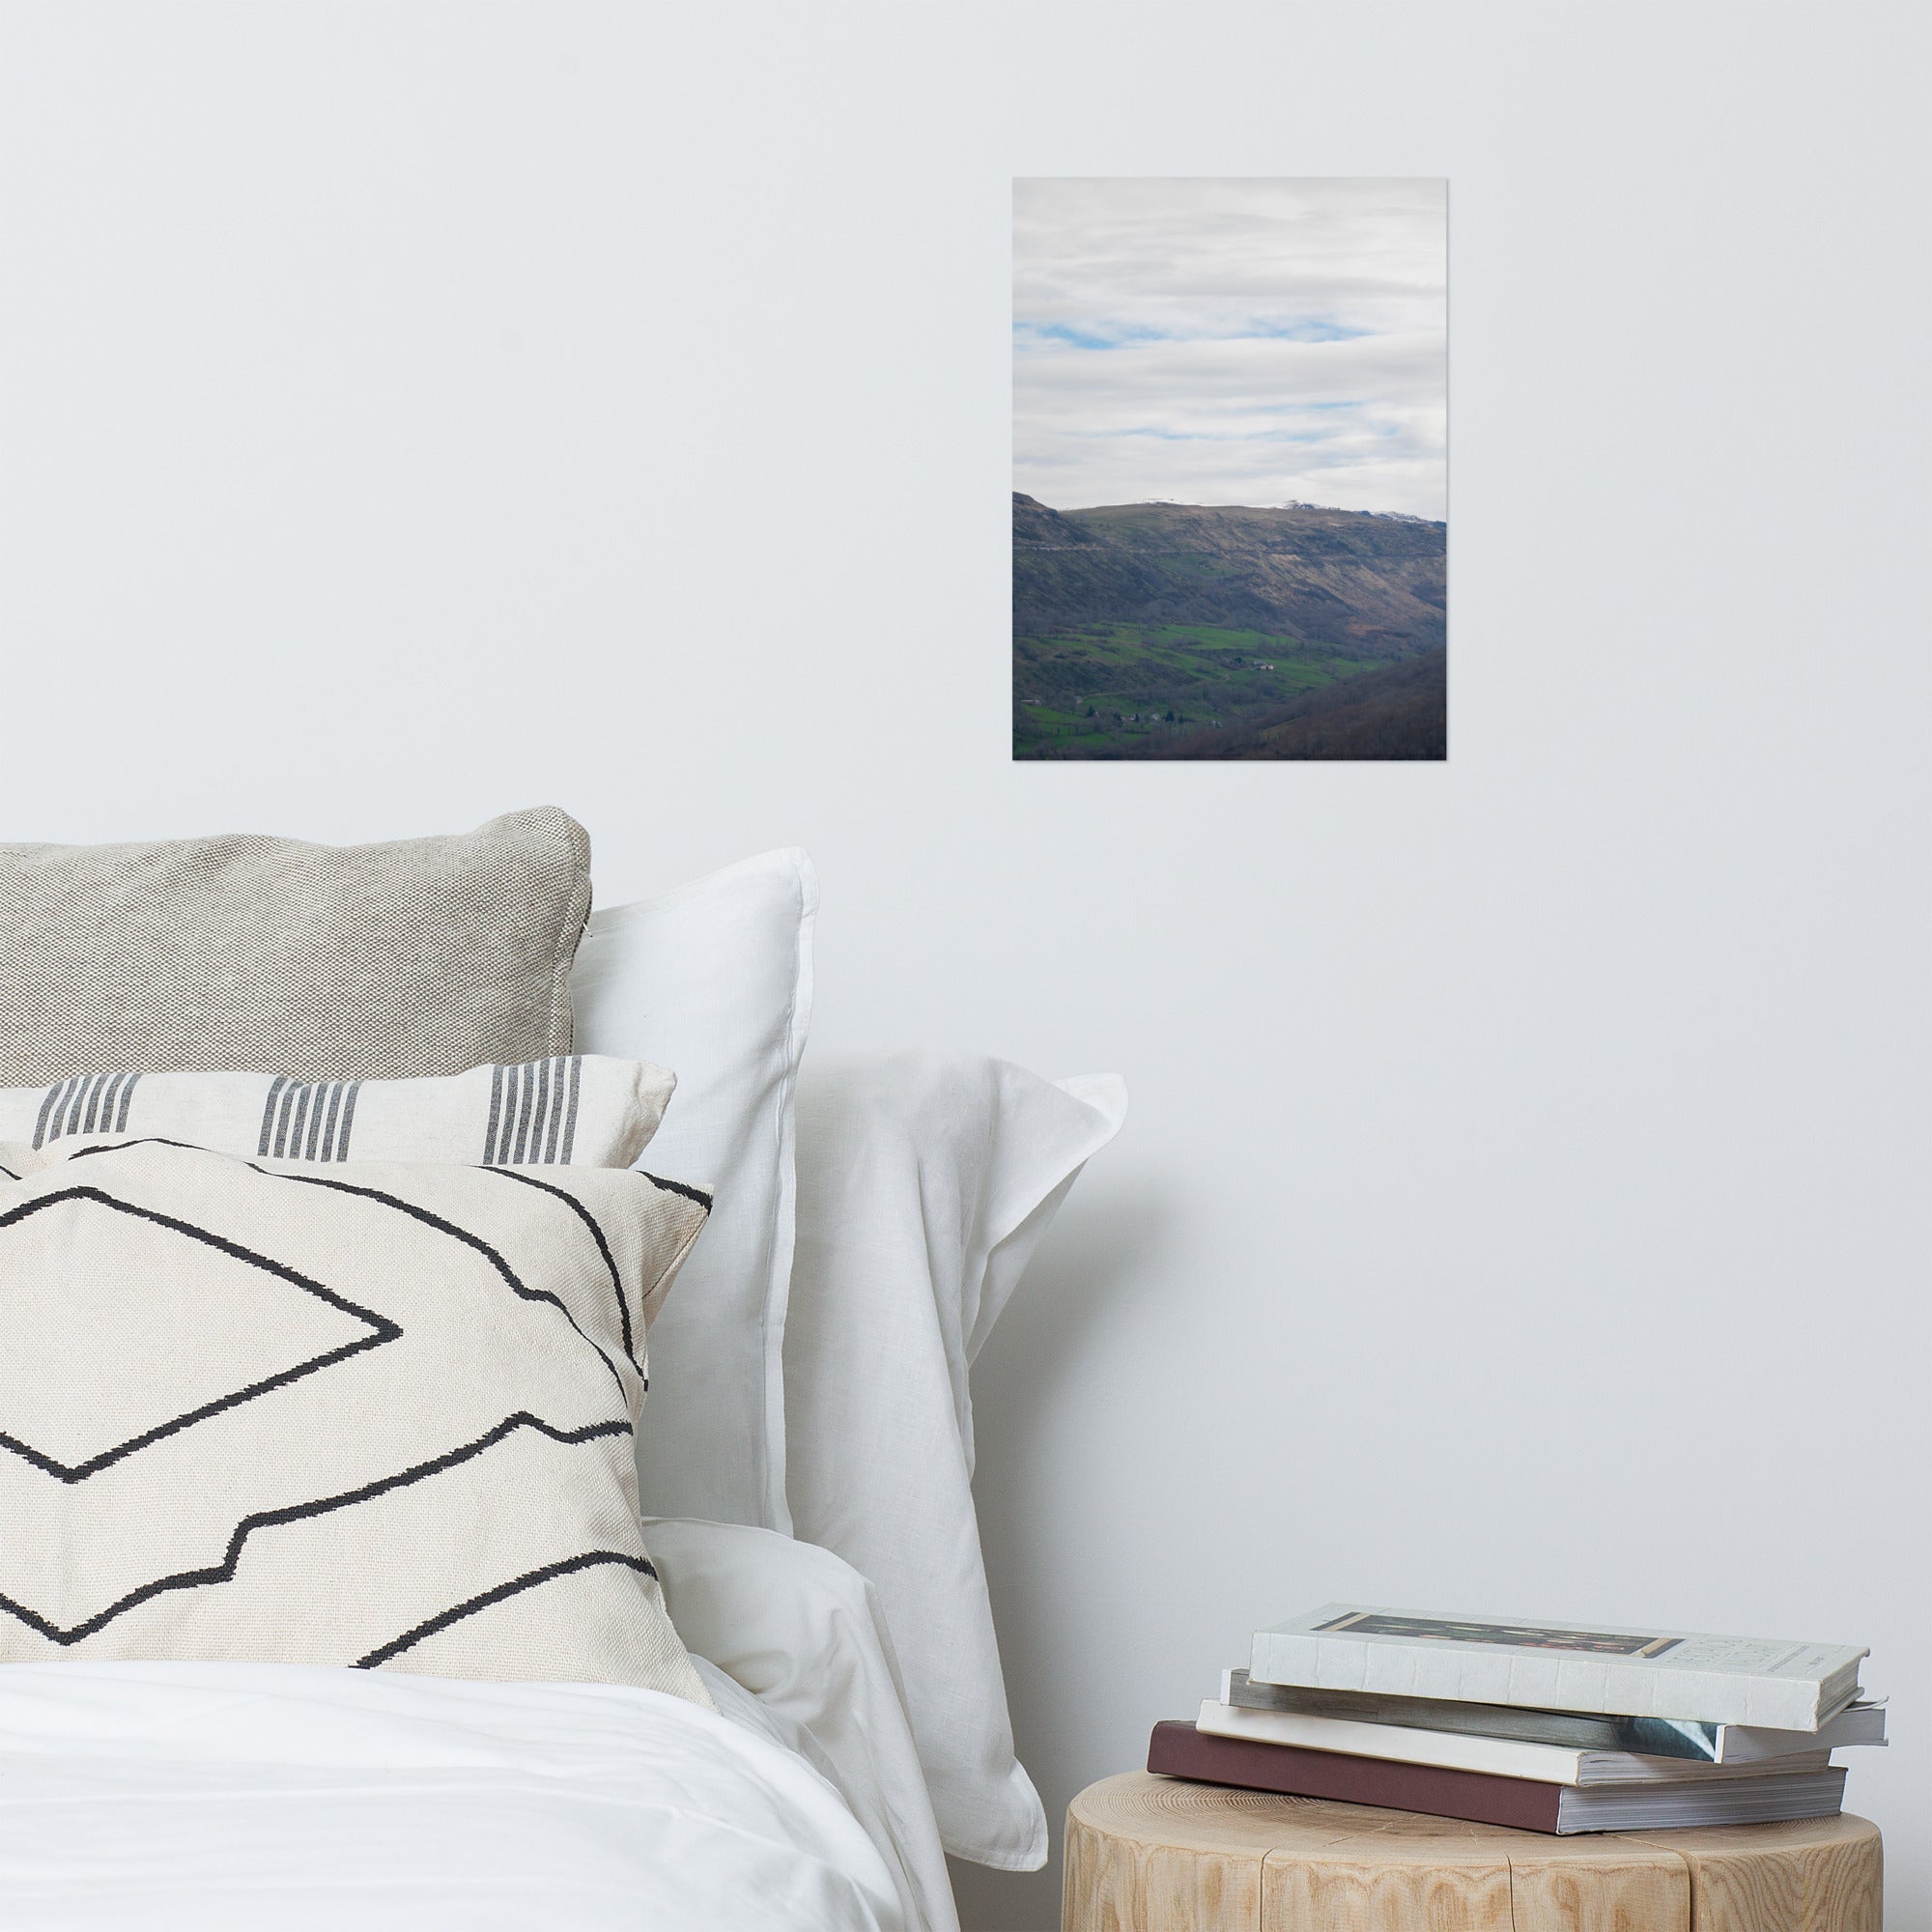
{"type": "Point", "coordinates": [378, 1414]}
{"type": "Point", "coordinates": [572, 1109]}
{"type": "Point", "coordinates": [925, 1181]}
{"type": "Point", "coordinates": [714, 979]}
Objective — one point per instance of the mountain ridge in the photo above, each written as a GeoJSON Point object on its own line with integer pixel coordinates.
{"type": "Point", "coordinates": [1352, 578]}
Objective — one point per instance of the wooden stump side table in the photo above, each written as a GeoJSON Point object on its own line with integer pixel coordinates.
{"type": "Point", "coordinates": [1147, 1854]}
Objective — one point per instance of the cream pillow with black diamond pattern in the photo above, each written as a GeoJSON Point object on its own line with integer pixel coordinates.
{"type": "Point", "coordinates": [372, 1414]}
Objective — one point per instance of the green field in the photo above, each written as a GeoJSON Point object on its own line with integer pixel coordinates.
{"type": "Point", "coordinates": [1099, 687]}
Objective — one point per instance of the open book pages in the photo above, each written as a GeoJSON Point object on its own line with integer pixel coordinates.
{"type": "Point", "coordinates": [1764, 1681]}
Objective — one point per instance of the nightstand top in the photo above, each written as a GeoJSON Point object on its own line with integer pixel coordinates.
{"type": "Point", "coordinates": [1148, 1854]}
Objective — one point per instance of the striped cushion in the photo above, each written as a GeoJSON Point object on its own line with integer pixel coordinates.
{"type": "Point", "coordinates": [375, 1415]}
{"type": "Point", "coordinates": [571, 1110]}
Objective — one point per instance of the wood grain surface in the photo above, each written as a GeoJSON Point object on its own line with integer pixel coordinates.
{"type": "Point", "coordinates": [1147, 1854]}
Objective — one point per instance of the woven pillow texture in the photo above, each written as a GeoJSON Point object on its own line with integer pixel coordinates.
{"type": "Point", "coordinates": [320, 962]}
{"type": "Point", "coordinates": [370, 1415]}
{"type": "Point", "coordinates": [573, 1109]}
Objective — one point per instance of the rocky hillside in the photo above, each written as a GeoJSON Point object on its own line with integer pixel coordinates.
{"type": "Point", "coordinates": [1369, 584]}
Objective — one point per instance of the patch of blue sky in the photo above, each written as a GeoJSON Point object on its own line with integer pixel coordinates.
{"type": "Point", "coordinates": [1104, 335]}
{"type": "Point", "coordinates": [1127, 334]}
{"type": "Point", "coordinates": [1300, 328]}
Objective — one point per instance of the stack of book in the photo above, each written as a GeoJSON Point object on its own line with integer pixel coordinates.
{"type": "Point", "coordinates": [1547, 1727]}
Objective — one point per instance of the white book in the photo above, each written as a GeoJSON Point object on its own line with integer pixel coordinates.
{"type": "Point", "coordinates": [1860, 1723]}
{"type": "Point", "coordinates": [1494, 1757]}
{"type": "Point", "coordinates": [1555, 1667]}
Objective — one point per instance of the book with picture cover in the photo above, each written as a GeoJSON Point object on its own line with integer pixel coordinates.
{"type": "Point", "coordinates": [1857, 1724]}
{"type": "Point", "coordinates": [1529, 1804]}
{"type": "Point", "coordinates": [1766, 1682]}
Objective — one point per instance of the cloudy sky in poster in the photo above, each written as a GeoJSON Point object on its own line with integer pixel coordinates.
{"type": "Point", "coordinates": [1247, 341]}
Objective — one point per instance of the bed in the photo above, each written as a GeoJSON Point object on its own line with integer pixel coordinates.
{"type": "Point", "coordinates": [231, 1794]}
{"type": "Point", "coordinates": [821, 1719]}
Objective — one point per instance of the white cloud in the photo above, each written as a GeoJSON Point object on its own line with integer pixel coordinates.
{"type": "Point", "coordinates": [1230, 341]}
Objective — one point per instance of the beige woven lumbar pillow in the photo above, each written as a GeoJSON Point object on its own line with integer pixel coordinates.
{"type": "Point", "coordinates": [370, 1415]}
{"type": "Point", "coordinates": [320, 962]}
{"type": "Point", "coordinates": [581, 1110]}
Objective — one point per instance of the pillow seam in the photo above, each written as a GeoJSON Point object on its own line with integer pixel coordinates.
{"type": "Point", "coordinates": [775, 1501]}
{"type": "Point", "coordinates": [569, 936]}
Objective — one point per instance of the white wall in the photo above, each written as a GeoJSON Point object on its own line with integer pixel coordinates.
{"type": "Point", "coordinates": [415, 411]}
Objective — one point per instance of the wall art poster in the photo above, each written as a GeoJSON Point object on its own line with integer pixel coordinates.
{"type": "Point", "coordinates": [1230, 469]}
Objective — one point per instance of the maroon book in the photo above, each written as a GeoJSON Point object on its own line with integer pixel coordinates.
{"type": "Point", "coordinates": [1180, 1750]}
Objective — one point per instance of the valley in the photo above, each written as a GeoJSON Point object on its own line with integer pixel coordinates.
{"type": "Point", "coordinates": [1152, 630]}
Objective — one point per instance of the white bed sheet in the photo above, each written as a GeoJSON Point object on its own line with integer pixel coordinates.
{"type": "Point", "coordinates": [227, 1796]}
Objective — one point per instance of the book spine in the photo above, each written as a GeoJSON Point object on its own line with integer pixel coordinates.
{"type": "Point", "coordinates": [1178, 1751]}
{"type": "Point", "coordinates": [1551, 1682]}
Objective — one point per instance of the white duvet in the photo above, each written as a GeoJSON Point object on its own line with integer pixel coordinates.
{"type": "Point", "coordinates": [224, 1796]}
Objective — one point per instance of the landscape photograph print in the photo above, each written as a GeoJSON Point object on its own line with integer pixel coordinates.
{"type": "Point", "coordinates": [1230, 469]}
